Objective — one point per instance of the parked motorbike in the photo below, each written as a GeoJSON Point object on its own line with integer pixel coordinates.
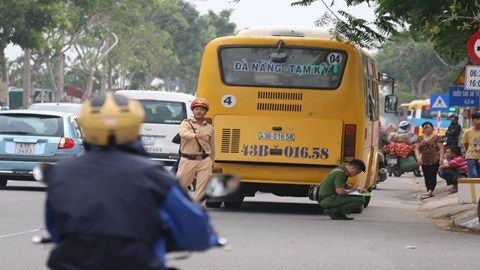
{"type": "Point", "coordinates": [400, 165]}
{"type": "Point", "coordinates": [218, 187]}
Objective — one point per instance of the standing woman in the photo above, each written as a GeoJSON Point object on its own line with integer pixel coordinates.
{"type": "Point", "coordinates": [429, 153]}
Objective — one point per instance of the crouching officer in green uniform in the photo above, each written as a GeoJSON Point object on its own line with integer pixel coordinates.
{"type": "Point", "coordinates": [333, 193]}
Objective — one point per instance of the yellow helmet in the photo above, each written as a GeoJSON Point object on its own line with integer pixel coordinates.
{"type": "Point", "coordinates": [108, 115]}
{"type": "Point", "coordinates": [200, 102]}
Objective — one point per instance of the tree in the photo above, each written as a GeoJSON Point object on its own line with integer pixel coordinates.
{"type": "Point", "coordinates": [417, 69]}
{"type": "Point", "coordinates": [22, 23]}
{"type": "Point", "coordinates": [447, 24]}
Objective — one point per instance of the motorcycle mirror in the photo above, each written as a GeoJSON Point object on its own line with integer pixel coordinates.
{"type": "Point", "coordinates": [222, 185]}
{"type": "Point", "coordinates": [40, 170]}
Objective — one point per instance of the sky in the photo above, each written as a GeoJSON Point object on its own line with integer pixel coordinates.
{"type": "Point", "coordinates": [248, 13]}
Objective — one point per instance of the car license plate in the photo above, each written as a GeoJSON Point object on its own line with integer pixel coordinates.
{"type": "Point", "coordinates": [25, 148]}
{"type": "Point", "coordinates": [148, 140]}
{"type": "Point", "coordinates": [274, 136]}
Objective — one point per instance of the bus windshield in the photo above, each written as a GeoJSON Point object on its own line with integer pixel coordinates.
{"type": "Point", "coordinates": [432, 114]}
{"type": "Point", "coordinates": [282, 67]}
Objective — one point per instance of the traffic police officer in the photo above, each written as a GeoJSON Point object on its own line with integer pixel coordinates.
{"type": "Point", "coordinates": [197, 148]}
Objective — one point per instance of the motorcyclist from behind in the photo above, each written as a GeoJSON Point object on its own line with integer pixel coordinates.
{"type": "Point", "coordinates": [112, 207]}
{"type": "Point", "coordinates": [405, 135]}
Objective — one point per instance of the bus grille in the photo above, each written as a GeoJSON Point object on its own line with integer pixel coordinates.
{"type": "Point", "coordinates": [279, 96]}
{"type": "Point", "coordinates": [230, 140]}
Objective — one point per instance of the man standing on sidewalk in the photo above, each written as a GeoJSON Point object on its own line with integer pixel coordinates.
{"type": "Point", "coordinates": [471, 140]}
{"type": "Point", "coordinates": [453, 131]}
{"type": "Point", "coordinates": [197, 148]}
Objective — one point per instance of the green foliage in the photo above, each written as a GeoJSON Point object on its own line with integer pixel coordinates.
{"type": "Point", "coordinates": [417, 68]}
{"type": "Point", "coordinates": [447, 24]}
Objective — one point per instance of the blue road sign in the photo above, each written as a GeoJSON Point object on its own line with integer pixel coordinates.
{"type": "Point", "coordinates": [463, 98]}
{"type": "Point", "coordinates": [439, 102]}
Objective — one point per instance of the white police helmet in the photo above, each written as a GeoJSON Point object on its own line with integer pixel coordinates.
{"type": "Point", "coordinates": [403, 125]}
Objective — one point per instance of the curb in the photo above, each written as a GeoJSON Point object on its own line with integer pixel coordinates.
{"type": "Point", "coordinates": [446, 205]}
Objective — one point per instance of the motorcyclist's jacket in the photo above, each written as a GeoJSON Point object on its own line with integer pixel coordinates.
{"type": "Point", "coordinates": [114, 208]}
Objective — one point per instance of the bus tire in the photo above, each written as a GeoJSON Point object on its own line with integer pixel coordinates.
{"type": "Point", "coordinates": [478, 209]}
{"type": "Point", "coordinates": [3, 183]}
{"type": "Point", "coordinates": [358, 210]}
{"type": "Point", "coordinates": [233, 205]}
{"type": "Point", "coordinates": [213, 204]}
{"type": "Point", "coordinates": [367, 201]}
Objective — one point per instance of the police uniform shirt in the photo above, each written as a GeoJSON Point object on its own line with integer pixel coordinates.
{"type": "Point", "coordinates": [189, 145]}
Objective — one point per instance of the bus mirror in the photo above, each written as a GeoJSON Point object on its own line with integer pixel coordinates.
{"type": "Point", "coordinates": [391, 102]}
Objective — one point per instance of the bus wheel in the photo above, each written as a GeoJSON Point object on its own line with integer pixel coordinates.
{"type": "Point", "coordinates": [358, 210]}
{"type": "Point", "coordinates": [3, 182]}
{"type": "Point", "coordinates": [213, 204]}
{"type": "Point", "coordinates": [367, 201]}
{"type": "Point", "coordinates": [478, 209]}
{"type": "Point", "coordinates": [233, 205]}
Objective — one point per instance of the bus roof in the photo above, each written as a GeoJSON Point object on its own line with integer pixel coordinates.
{"type": "Point", "coordinates": [291, 31]}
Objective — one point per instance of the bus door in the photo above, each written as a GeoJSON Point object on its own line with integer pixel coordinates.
{"type": "Point", "coordinates": [371, 128]}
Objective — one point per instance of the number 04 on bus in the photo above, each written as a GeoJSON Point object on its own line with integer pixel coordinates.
{"type": "Point", "coordinates": [289, 104]}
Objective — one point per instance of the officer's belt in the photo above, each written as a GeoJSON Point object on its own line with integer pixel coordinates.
{"type": "Point", "coordinates": [195, 157]}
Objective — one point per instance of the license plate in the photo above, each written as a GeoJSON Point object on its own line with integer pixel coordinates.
{"type": "Point", "coordinates": [25, 148]}
{"type": "Point", "coordinates": [274, 136]}
{"type": "Point", "coordinates": [148, 140]}
{"type": "Point", "coordinates": [392, 161]}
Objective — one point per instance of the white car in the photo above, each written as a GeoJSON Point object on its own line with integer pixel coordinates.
{"type": "Point", "coordinates": [164, 111]}
{"type": "Point", "coordinates": [57, 106]}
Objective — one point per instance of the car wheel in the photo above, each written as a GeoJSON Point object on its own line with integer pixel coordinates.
{"type": "Point", "coordinates": [397, 174]}
{"type": "Point", "coordinates": [3, 182]}
{"type": "Point", "coordinates": [213, 204]}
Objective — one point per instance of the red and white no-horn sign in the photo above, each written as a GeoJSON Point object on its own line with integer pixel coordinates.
{"type": "Point", "coordinates": [474, 47]}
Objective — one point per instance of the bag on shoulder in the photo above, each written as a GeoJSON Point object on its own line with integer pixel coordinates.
{"type": "Point", "coordinates": [177, 139]}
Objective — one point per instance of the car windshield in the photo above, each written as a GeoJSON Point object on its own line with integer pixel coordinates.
{"type": "Point", "coordinates": [31, 124]}
{"type": "Point", "coordinates": [164, 112]}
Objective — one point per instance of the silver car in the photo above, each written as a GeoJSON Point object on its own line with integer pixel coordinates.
{"type": "Point", "coordinates": [28, 137]}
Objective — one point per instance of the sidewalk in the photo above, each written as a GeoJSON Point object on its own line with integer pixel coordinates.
{"type": "Point", "coordinates": [445, 206]}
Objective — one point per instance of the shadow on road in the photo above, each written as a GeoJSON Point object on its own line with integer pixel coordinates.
{"type": "Point", "coordinates": [276, 207]}
{"type": "Point", "coordinates": [21, 188]}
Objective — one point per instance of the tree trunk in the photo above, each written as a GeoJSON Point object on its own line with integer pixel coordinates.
{"type": "Point", "coordinates": [168, 82]}
{"type": "Point", "coordinates": [89, 86]}
{"type": "Point", "coordinates": [35, 74]}
{"type": "Point", "coordinates": [103, 79]}
{"type": "Point", "coordinates": [4, 100]}
{"type": "Point", "coordinates": [60, 58]}
{"type": "Point", "coordinates": [26, 80]}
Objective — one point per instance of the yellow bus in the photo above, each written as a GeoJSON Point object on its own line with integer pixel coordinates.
{"type": "Point", "coordinates": [288, 104]}
{"type": "Point", "coordinates": [419, 112]}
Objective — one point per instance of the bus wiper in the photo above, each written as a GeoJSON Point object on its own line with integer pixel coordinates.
{"type": "Point", "coordinates": [279, 57]}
